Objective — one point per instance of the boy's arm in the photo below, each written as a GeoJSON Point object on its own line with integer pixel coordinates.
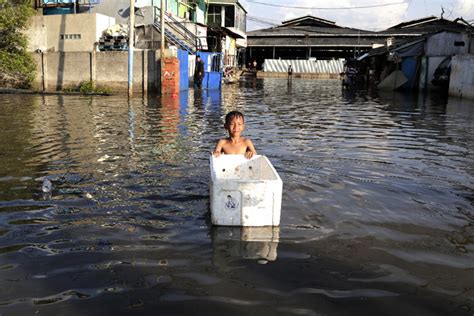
{"type": "Point", "coordinates": [250, 149]}
{"type": "Point", "coordinates": [217, 151]}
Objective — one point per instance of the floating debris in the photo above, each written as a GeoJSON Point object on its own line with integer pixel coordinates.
{"type": "Point", "coordinates": [47, 186]}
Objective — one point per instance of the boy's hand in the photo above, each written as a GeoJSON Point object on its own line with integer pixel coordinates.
{"type": "Point", "coordinates": [216, 153]}
{"type": "Point", "coordinates": [249, 154]}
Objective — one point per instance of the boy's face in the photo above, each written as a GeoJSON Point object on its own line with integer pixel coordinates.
{"type": "Point", "coordinates": [236, 126]}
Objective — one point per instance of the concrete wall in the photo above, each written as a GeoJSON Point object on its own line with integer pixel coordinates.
{"type": "Point", "coordinates": [461, 82]}
{"type": "Point", "coordinates": [58, 71]}
{"type": "Point", "coordinates": [67, 32]}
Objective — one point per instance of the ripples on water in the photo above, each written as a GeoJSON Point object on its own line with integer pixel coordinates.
{"type": "Point", "coordinates": [376, 218]}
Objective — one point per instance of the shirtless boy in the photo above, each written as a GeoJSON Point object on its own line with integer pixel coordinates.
{"type": "Point", "coordinates": [235, 144]}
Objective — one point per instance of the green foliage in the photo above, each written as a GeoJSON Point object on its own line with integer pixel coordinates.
{"type": "Point", "coordinates": [17, 67]}
{"type": "Point", "coordinates": [89, 87]}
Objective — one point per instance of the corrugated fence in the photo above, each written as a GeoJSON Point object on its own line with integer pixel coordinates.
{"type": "Point", "coordinates": [304, 66]}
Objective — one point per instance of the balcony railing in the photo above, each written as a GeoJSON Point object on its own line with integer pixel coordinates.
{"type": "Point", "coordinates": [180, 32]}
{"type": "Point", "coordinates": [64, 3]}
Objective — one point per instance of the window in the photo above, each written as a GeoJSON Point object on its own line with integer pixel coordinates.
{"type": "Point", "coordinates": [214, 15]}
{"type": "Point", "coordinates": [229, 16]}
{"type": "Point", "coordinates": [240, 19]}
{"type": "Point", "coordinates": [69, 36]}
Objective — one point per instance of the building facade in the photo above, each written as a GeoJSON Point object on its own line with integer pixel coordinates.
{"type": "Point", "coordinates": [226, 21]}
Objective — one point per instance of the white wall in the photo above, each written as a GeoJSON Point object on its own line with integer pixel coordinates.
{"type": "Point", "coordinates": [461, 83]}
{"type": "Point", "coordinates": [442, 44]}
{"type": "Point", "coordinates": [66, 32]}
{"type": "Point", "coordinates": [103, 22]}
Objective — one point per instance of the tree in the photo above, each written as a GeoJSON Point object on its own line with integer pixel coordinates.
{"type": "Point", "coordinates": [17, 67]}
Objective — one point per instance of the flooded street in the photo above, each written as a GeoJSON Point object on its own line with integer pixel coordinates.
{"type": "Point", "coordinates": [377, 211]}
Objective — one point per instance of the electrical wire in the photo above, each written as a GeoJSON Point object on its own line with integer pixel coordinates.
{"type": "Point", "coordinates": [326, 8]}
{"type": "Point", "coordinates": [307, 29]}
{"type": "Point", "coordinates": [261, 21]}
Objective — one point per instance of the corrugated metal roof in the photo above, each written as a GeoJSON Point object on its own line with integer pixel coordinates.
{"type": "Point", "coordinates": [313, 42]}
{"type": "Point", "coordinates": [308, 19]}
{"type": "Point", "coordinates": [411, 28]}
{"type": "Point", "coordinates": [307, 30]}
{"type": "Point", "coordinates": [304, 66]}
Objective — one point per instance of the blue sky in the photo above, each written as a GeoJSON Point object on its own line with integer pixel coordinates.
{"type": "Point", "coordinates": [386, 14]}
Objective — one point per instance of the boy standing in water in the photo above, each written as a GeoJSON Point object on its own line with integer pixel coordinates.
{"type": "Point", "coordinates": [235, 144]}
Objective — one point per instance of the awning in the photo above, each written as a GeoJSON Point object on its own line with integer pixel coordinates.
{"type": "Point", "coordinates": [226, 31]}
{"type": "Point", "coordinates": [362, 57]}
{"type": "Point", "coordinates": [412, 49]}
{"type": "Point", "coordinates": [393, 81]}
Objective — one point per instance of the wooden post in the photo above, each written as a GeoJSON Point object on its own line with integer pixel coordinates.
{"type": "Point", "coordinates": [145, 57]}
{"type": "Point", "coordinates": [43, 70]}
{"type": "Point", "coordinates": [162, 43]}
{"type": "Point", "coordinates": [93, 68]}
{"type": "Point", "coordinates": [131, 29]}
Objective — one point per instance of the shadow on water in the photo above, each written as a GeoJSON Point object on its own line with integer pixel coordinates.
{"type": "Point", "coordinates": [376, 215]}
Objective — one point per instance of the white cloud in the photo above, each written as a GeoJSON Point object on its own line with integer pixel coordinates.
{"type": "Point", "coordinates": [464, 8]}
{"type": "Point", "coordinates": [377, 18]}
{"type": "Point", "coordinates": [370, 18]}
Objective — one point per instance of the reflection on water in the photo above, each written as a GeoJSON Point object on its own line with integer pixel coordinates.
{"type": "Point", "coordinates": [245, 243]}
{"type": "Point", "coordinates": [376, 212]}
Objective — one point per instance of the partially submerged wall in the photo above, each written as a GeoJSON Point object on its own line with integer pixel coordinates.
{"type": "Point", "coordinates": [61, 70]}
{"type": "Point", "coordinates": [461, 83]}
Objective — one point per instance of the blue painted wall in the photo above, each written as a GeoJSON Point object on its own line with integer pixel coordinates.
{"type": "Point", "coordinates": [183, 70]}
{"type": "Point", "coordinates": [212, 70]}
{"type": "Point", "coordinates": [409, 67]}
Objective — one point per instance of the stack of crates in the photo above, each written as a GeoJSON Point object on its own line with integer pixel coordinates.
{"type": "Point", "coordinates": [113, 43]}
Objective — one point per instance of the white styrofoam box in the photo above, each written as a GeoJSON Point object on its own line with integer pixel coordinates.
{"type": "Point", "coordinates": [244, 192]}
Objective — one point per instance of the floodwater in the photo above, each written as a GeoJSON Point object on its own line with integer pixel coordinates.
{"type": "Point", "coordinates": [377, 211]}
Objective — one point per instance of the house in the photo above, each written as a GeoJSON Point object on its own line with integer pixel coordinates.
{"type": "Point", "coordinates": [185, 19]}
{"type": "Point", "coordinates": [416, 50]}
{"type": "Point", "coordinates": [72, 31]}
{"type": "Point", "coordinates": [193, 10]}
{"type": "Point", "coordinates": [423, 26]}
{"type": "Point", "coordinates": [226, 22]}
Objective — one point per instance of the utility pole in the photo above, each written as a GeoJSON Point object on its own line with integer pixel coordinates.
{"type": "Point", "coordinates": [162, 43]}
{"type": "Point", "coordinates": [131, 29]}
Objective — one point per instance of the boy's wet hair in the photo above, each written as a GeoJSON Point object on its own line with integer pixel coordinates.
{"type": "Point", "coordinates": [232, 115]}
